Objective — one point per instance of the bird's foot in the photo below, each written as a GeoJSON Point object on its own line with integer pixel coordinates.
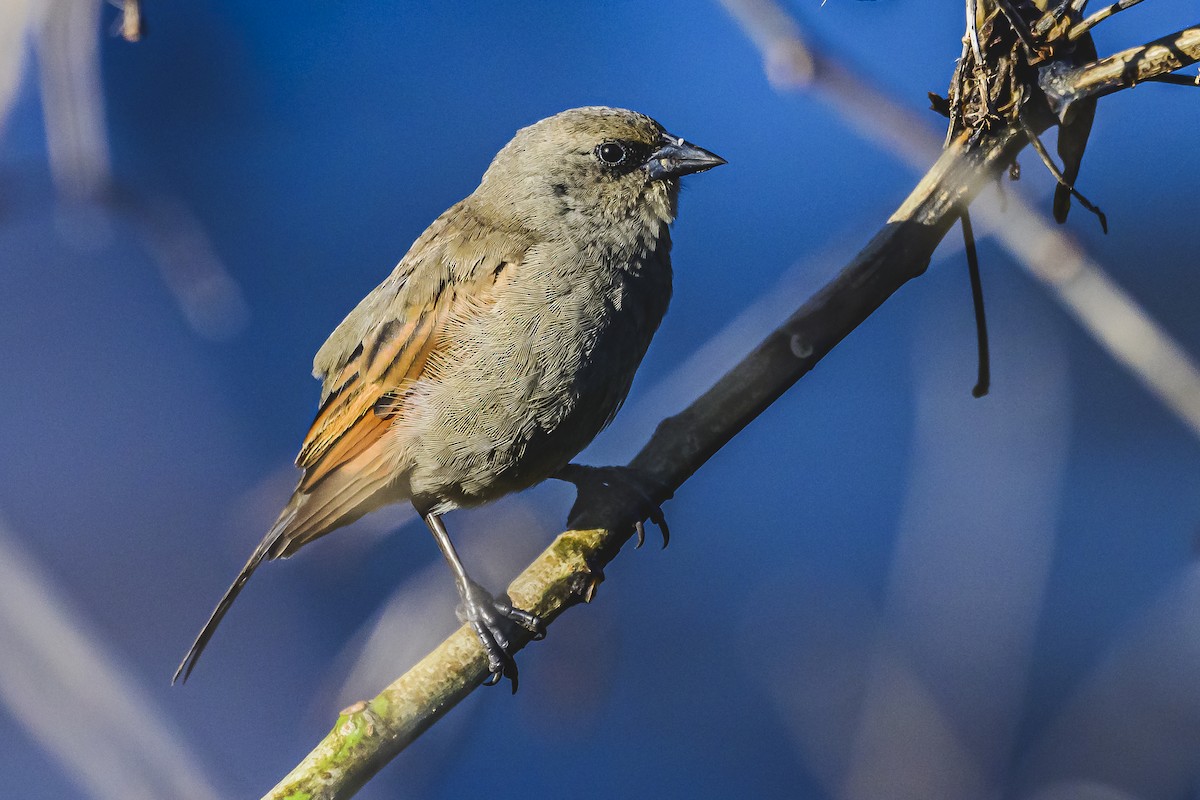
{"type": "Point", "coordinates": [606, 496]}
{"type": "Point", "coordinates": [497, 624]}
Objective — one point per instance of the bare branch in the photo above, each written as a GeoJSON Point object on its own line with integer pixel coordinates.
{"type": "Point", "coordinates": [1123, 70]}
{"type": "Point", "coordinates": [1086, 25]}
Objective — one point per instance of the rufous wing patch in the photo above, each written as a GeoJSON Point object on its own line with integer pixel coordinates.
{"type": "Point", "coordinates": [370, 389]}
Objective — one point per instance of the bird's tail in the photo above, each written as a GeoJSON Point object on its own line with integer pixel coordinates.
{"type": "Point", "coordinates": [261, 553]}
{"type": "Point", "coordinates": [340, 499]}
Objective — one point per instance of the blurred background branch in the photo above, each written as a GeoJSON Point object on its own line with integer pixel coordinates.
{"type": "Point", "coordinates": [133, 25]}
{"type": "Point", "coordinates": [78, 700]}
{"type": "Point", "coordinates": [65, 38]}
{"type": "Point", "coordinates": [67, 46]}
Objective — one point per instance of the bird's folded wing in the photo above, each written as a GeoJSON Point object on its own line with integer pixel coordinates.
{"type": "Point", "coordinates": [384, 346]}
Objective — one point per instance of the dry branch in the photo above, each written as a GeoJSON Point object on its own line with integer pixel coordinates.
{"type": "Point", "coordinates": [1123, 70]}
{"type": "Point", "coordinates": [369, 734]}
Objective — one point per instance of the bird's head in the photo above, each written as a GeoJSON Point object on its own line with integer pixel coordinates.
{"type": "Point", "coordinates": [593, 166]}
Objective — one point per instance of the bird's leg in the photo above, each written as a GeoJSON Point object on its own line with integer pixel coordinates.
{"type": "Point", "coordinates": [604, 493]}
{"type": "Point", "coordinates": [491, 618]}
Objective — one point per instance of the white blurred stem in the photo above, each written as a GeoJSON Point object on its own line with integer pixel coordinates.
{"type": "Point", "coordinates": [67, 42]}
{"type": "Point", "coordinates": [973, 555]}
{"type": "Point", "coordinates": [210, 298]}
{"type": "Point", "coordinates": [78, 701]}
{"type": "Point", "coordinates": [15, 18]}
{"type": "Point", "coordinates": [72, 100]}
{"type": "Point", "coordinates": [1132, 725]}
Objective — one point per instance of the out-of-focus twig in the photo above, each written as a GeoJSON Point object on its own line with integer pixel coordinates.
{"type": "Point", "coordinates": [1047, 251]}
{"type": "Point", "coordinates": [792, 64]}
{"type": "Point", "coordinates": [210, 298]}
{"type": "Point", "coordinates": [78, 702]}
{"type": "Point", "coordinates": [133, 25]}
{"type": "Point", "coordinates": [72, 100]}
{"type": "Point", "coordinates": [66, 39]}
{"type": "Point", "coordinates": [15, 18]}
{"type": "Point", "coordinates": [1176, 80]}
{"type": "Point", "coordinates": [1128, 729]}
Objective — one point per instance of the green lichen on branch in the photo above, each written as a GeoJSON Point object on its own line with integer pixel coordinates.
{"type": "Point", "coordinates": [368, 734]}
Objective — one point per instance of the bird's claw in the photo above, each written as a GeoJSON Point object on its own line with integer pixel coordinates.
{"type": "Point", "coordinates": [531, 622]}
{"type": "Point", "coordinates": [493, 621]}
{"type": "Point", "coordinates": [627, 484]}
{"type": "Point", "coordinates": [654, 513]}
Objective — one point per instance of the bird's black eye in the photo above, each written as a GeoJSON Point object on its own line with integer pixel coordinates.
{"type": "Point", "coordinates": [612, 154]}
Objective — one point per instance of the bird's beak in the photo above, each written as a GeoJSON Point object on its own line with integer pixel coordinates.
{"type": "Point", "coordinates": [676, 157]}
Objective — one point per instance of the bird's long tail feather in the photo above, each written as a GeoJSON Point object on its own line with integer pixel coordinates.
{"type": "Point", "coordinates": [340, 499]}
{"type": "Point", "coordinates": [261, 553]}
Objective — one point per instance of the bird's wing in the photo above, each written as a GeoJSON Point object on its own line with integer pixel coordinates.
{"type": "Point", "coordinates": [385, 345]}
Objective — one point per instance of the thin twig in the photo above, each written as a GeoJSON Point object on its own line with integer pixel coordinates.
{"type": "Point", "coordinates": [956, 94]}
{"type": "Point", "coordinates": [981, 77]}
{"type": "Point", "coordinates": [1018, 25]}
{"type": "Point", "coordinates": [1176, 80]}
{"type": "Point", "coordinates": [984, 381]}
{"type": "Point", "coordinates": [1080, 28]}
{"type": "Point", "coordinates": [1056, 173]}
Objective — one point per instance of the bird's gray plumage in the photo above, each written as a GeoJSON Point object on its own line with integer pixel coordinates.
{"type": "Point", "coordinates": [504, 340]}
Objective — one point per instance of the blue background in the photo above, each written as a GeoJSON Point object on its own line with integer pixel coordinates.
{"type": "Point", "coordinates": [883, 588]}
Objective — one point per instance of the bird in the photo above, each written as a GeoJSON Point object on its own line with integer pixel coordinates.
{"type": "Point", "coordinates": [501, 344]}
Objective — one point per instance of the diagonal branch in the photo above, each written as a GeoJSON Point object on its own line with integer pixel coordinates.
{"type": "Point", "coordinates": [1123, 70]}
{"type": "Point", "coordinates": [369, 734]}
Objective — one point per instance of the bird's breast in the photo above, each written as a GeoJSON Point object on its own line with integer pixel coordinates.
{"type": "Point", "coordinates": [528, 385]}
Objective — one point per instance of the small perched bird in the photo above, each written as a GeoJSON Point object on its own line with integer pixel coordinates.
{"type": "Point", "coordinates": [497, 349]}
